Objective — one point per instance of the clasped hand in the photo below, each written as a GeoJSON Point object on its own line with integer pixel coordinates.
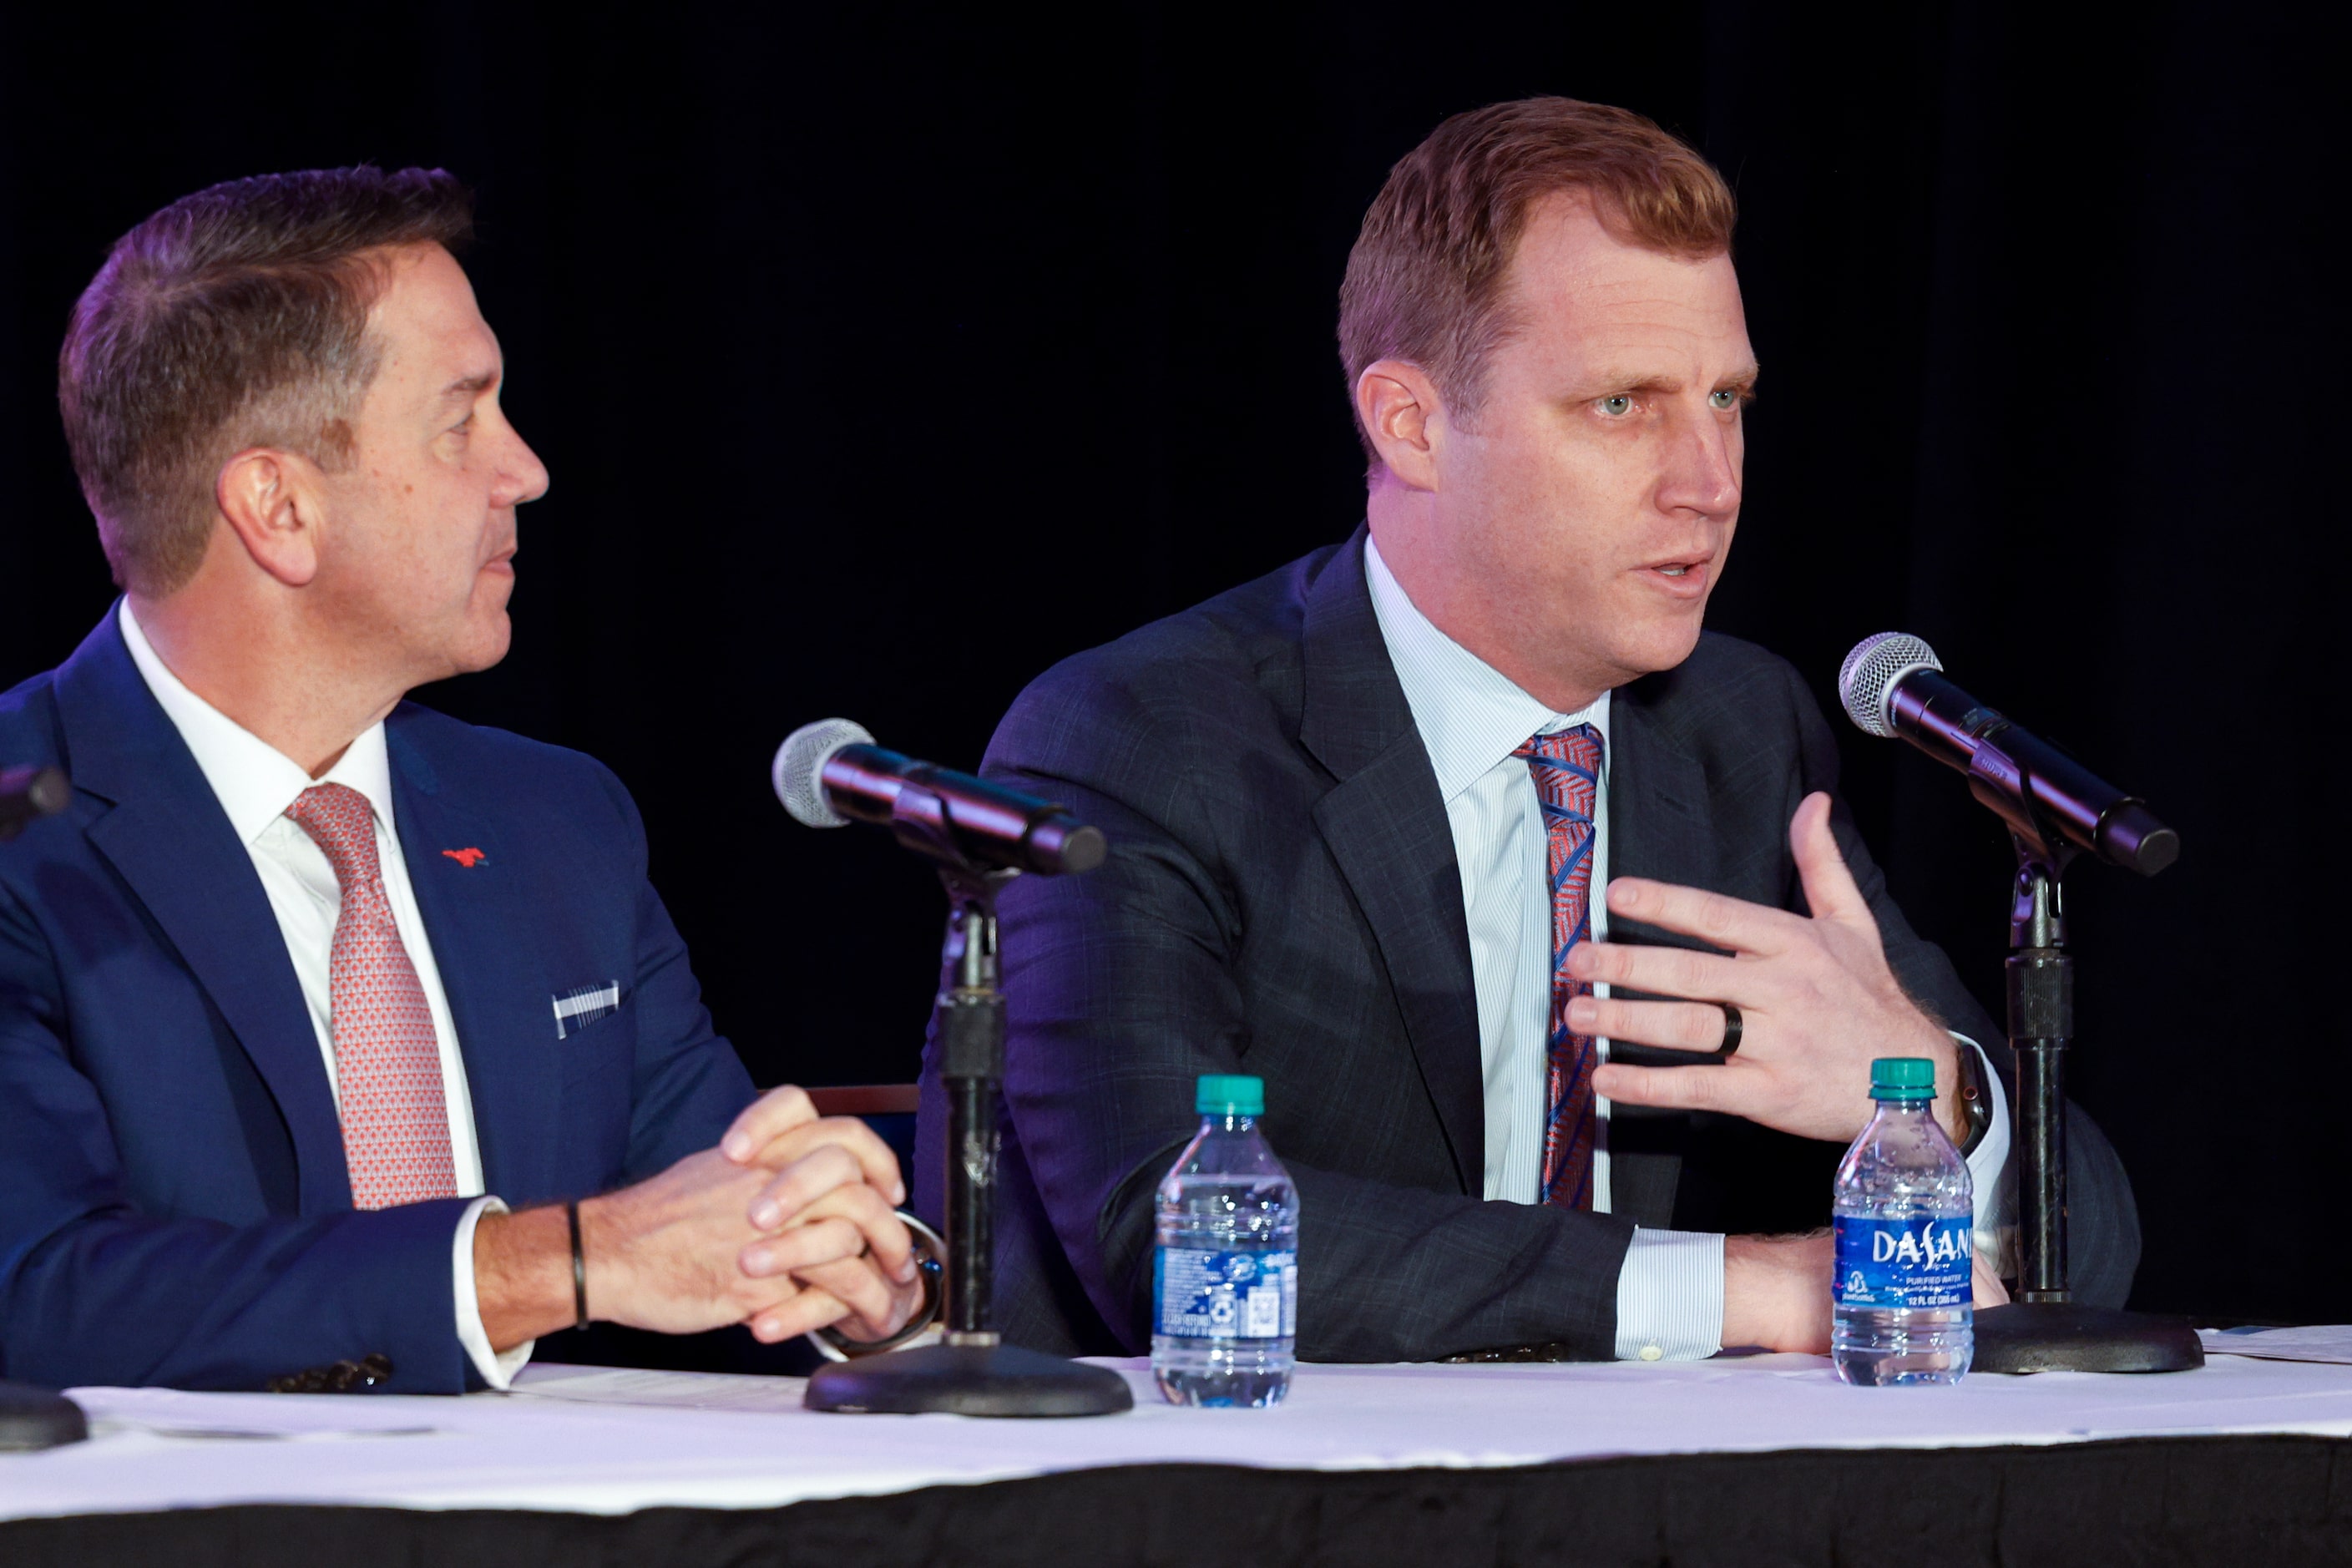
{"type": "Point", "coordinates": [1816, 997]}
{"type": "Point", "coordinates": [789, 1224]}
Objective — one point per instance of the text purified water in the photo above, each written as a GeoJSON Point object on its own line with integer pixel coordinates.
{"type": "Point", "coordinates": [1906, 1236]}
{"type": "Point", "coordinates": [1224, 1266]}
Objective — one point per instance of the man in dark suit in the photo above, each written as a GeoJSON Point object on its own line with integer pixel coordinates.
{"type": "Point", "coordinates": [340, 1042]}
{"type": "Point", "coordinates": [1364, 812]}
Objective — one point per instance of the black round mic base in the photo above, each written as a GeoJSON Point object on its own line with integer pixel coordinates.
{"type": "Point", "coordinates": [2059, 1336]}
{"type": "Point", "coordinates": [34, 1418]}
{"type": "Point", "coordinates": [968, 1380]}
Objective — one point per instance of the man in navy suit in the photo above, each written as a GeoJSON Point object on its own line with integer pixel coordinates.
{"type": "Point", "coordinates": [340, 1042]}
{"type": "Point", "coordinates": [1532, 905]}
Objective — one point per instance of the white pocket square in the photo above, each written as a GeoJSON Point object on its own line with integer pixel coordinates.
{"type": "Point", "coordinates": [582, 1004]}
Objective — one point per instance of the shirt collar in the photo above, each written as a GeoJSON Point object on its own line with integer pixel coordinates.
{"type": "Point", "coordinates": [255, 781]}
{"type": "Point", "coordinates": [1471, 715]}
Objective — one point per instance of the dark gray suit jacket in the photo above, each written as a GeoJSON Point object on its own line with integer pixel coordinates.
{"type": "Point", "coordinates": [1281, 899]}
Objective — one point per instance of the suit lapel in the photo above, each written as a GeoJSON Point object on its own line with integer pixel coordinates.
{"type": "Point", "coordinates": [478, 923]}
{"type": "Point", "coordinates": [1385, 824]}
{"type": "Point", "coordinates": [169, 839]}
{"type": "Point", "coordinates": [1659, 822]}
{"type": "Point", "coordinates": [1660, 828]}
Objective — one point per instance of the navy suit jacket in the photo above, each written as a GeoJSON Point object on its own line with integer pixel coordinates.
{"type": "Point", "coordinates": [1281, 899]}
{"type": "Point", "coordinates": [174, 1207]}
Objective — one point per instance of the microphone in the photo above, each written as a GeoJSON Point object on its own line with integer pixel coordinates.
{"type": "Point", "coordinates": [28, 793]}
{"type": "Point", "coordinates": [1893, 684]}
{"type": "Point", "coordinates": [830, 773]}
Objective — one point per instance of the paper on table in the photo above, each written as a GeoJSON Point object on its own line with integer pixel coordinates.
{"type": "Point", "coordinates": [106, 1428]}
{"type": "Point", "coordinates": [2324, 1343]}
{"type": "Point", "coordinates": [673, 1390]}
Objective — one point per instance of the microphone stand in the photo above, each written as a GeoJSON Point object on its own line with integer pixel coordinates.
{"type": "Point", "coordinates": [973, 1371]}
{"type": "Point", "coordinates": [2044, 1328]}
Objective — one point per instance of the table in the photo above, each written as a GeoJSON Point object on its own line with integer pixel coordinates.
{"type": "Point", "coordinates": [1759, 1459]}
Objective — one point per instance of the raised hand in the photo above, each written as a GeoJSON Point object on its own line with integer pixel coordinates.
{"type": "Point", "coordinates": [1816, 997]}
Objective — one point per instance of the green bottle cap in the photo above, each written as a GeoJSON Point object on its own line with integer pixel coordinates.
{"type": "Point", "coordinates": [1230, 1094]}
{"type": "Point", "coordinates": [1903, 1078]}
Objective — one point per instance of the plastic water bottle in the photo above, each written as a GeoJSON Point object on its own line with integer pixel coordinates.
{"type": "Point", "coordinates": [1224, 1266]}
{"type": "Point", "coordinates": [1905, 1239]}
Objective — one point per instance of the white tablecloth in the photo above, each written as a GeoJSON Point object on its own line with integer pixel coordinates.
{"type": "Point", "coordinates": [594, 1441]}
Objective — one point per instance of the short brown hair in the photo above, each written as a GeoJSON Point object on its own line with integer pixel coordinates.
{"type": "Point", "coordinates": [1425, 280]}
{"type": "Point", "coordinates": [234, 317]}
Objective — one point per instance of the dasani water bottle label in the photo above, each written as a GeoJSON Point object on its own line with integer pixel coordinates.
{"type": "Point", "coordinates": [1904, 1263]}
{"type": "Point", "coordinates": [1202, 1294]}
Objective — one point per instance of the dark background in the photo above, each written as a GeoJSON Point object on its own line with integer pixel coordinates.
{"type": "Point", "coordinates": [883, 358]}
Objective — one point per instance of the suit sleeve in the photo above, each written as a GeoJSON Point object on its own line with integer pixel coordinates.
{"type": "Point", "coordinates": [2102, 1229]}
{"type": "Point", "coordinates": [1122, 985]}
{"type": "Point", "coordinates": [94, 1291]}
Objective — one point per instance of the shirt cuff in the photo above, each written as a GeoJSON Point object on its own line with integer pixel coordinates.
{"type": "Point", "coordinates": [1988, 1168]}
{"type": "Point", "coordinates": [1670, 1297]}
{"type": "Point", "coordinates": [498, 1368]}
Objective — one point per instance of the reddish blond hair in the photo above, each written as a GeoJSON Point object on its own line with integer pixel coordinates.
{"type": "Point", "coordinates": [1426, 279]}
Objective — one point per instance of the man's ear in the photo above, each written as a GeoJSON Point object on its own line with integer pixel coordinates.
{"type": "Point", "coordinates": [270, 498]}
{"type": "Point", "coordinates": [1399, 406]}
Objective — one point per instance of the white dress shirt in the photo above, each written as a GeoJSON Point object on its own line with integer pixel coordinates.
{"type": "Point", "coordinates": [1472, 718]}
{"type": "Point", "coordinates": [256, 783]}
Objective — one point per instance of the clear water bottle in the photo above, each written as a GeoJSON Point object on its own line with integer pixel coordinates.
{"type": "Point", "coordinates": [1224, 1266]}
{"type": "Point", "coordinates": [1905, 1240]}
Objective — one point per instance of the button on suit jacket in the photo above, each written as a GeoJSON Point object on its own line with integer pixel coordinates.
{"type": "Point", "coordinates": [174, 1206]}
{"type": "Point", "coordinates": [1282, 899]}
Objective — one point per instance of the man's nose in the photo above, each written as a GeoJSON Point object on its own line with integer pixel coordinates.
{"type": "Point", "coordinates": [521, 476]}
{"type": "Point", "coordinates": [1703, 474]}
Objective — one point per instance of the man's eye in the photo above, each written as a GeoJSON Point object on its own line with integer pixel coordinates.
{"type": "Point", "coordinates": [1725, 401]}
{"type": "Point", "coordinates": [1616, 408]}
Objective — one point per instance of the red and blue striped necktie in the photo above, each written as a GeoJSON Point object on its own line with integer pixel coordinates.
{"type": "Point", "coordinates": [1567, 771]}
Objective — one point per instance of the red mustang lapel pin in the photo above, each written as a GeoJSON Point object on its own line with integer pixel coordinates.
{"type": "Point", "coordinates": [468, 859]}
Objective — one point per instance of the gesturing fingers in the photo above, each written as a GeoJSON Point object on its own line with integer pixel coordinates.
{"type": "Point", "coordinates": [1831, 892]}
{"type": "Point", "coordinates": [764, 1121]}
{"type": "Point", "coordinates": [1668, 970]}
{"type": "Point", "coordinates": [1714, 918]}
{"type": "Point", "coordinates": [1726, 1089]}
{"type": "Point", "coordinates": [1677, 1026]}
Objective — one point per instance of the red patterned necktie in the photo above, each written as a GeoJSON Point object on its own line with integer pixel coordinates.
{"type": "Point", "coordinates": [387, 1059]}
{"type": "Point", "coordinates": [1567, 771]}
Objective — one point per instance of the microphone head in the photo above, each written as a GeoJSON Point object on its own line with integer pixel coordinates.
{"type": "Point", "coordinates": [1870, 673]}
{"type": "Point", "coordinates": [798, 773]}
